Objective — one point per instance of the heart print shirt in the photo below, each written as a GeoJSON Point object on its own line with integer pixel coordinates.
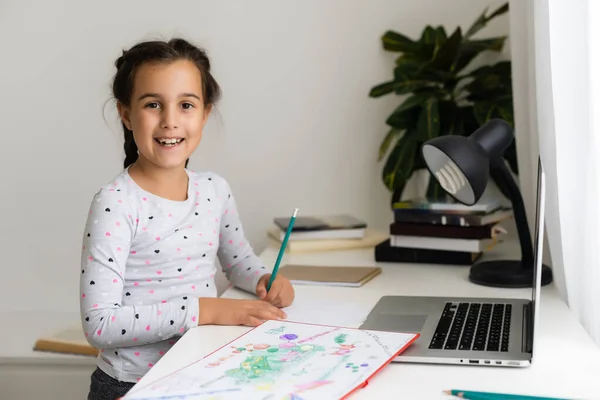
{"type": "Point", "coordinates": [145, 262]}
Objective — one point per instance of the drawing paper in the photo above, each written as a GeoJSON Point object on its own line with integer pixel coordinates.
{"type": "Point", "coordinates": [282, 360]}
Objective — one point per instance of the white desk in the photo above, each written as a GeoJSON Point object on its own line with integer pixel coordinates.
{"type": "Point", "coordinates": [566, 360]}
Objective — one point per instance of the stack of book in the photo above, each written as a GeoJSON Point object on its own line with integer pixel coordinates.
{"type": "Point", "coordinates": [442, 232]}
{"type": "Point", "coordinates": [323, 233]}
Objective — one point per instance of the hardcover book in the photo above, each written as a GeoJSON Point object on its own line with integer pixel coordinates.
{"type": "Point", "coordinates": [329, 275]}
{"type": "Point", "coordinates": [385, 252]}
{"type": "Point", "coordinates": [318, 223]}
{"type": "Point", "coordinates": [446, 231]}
{"type": "Point", "coordinates": [456, 218]}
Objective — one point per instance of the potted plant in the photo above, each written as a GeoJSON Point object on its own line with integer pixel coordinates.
{"type": "Point", "coordinates": [440, 96]}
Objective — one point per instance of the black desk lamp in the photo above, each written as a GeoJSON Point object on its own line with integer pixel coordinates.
{"type": "Point", "coordinates": [462, 166]}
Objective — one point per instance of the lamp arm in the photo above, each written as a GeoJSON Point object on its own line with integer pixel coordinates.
{"type": "Point", "coordinates": [507, 185]}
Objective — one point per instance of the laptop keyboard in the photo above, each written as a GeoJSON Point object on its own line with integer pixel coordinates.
{"type": "Point", "coordinates": [473, 326]}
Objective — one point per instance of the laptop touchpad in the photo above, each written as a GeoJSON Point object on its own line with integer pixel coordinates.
{"type": "Point", "coordinates": [411, 323]}
{"type": "Point", "coordinates": [402, 322]}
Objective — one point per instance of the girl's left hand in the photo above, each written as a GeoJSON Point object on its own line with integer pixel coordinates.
{"type": "Point", "coordinates": [281, 293]}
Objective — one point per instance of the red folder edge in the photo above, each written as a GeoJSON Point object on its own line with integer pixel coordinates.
{"type": "Point", "coordinates": [365, 383]}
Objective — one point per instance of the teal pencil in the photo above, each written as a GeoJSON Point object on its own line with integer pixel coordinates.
{"type": "Point", "coordinates": [282, 249]}
{"type": "Point", "coordinates": [471, 395]}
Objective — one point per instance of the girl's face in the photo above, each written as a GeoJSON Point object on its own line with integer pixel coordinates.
{"type": "Point", "coordinates": [166, 112]}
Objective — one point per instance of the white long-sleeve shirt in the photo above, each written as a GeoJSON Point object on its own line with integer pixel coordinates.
{"type": "Point", "coordinates": [145, 262]}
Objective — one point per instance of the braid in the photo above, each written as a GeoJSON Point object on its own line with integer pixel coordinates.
{"type": "Point", "coordinates": [131, 150]}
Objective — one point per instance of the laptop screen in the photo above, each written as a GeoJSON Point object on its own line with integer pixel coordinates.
{"type": "Point", "coordinates": [539, 241]}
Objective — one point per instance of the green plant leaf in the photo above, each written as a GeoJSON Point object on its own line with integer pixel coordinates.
{"type": "Point", "coordinates": [505, 109]}
{"type": "Point", "coordinates": [430, 42]}
{"type": "Point", "coordinates": [411, 102]}
{"type": "Point", "coordinates": [483, 111]}
{"type": "Point", "coordinates": [440, 34]}
{"type": "Point", "coordinates": [490, 83]}
{"type": "Point", "coordinates": [449, 117]}
{"type": "Point", "coordinates": [399, 120]}
{"type": "Point", "coordinates": [428, 35]}
{"type": "Point", "coordinates": [492, 44]}
{"type": "Point", "coordinates": [415, 70]}
{"type": "Point", "coordinates": [478, 24]}
{"type": "Point", "coordinates": [407, 59]}
{"type": "Point", "coordinates": [433, 90]}
{"type": "Point", "coordinates": [504, 68]}
{"type": "Point", "coordinates": [468, 120]}
{"type": "Point", "coordinates": [382, 89]}
{"type": "Point", "coordinates": [440, 39]}
{"type": "Point", "coordinates": [406, 79]}
{"type": "Point", "coordinates": [436, 75]}
{"type": "Point", "coordinates": [402, 87]}
{"type": "Point", "coordinates": [406, 114]}
{"type": "Point", "coordinates": [419, 161]}
{"type": "Point", "coordinates": [392, 134]}
{"type": "Point", "coordinates": [408, 70]}
{"type": "Point", "coordinates": [394, 41]}
{"type": "Point", "coordinates": [501, 72]}
{"type": "Point", "coordinates": [472, 48]}
{"type": "Point", "coordinates": [501, 68]}
{"type": "Point", "coordinates": [482, 21]}
{"type": "Point", "coordinates": [448, 52]}
{"type": "Point", "coordinates": [499, 11]}
{"type": "Point", "coordinates": [411, 86]}
{"type": "Point", "coordinates": [429, 120]}
{"type": "Point", "coordinates": [399, 165]}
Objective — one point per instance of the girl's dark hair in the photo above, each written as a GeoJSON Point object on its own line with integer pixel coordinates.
{"type": "Point", "coordinates": [158, 51]}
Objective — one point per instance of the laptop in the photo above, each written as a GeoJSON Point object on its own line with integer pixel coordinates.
{"type": "Point", "coordinates": [468, 330]}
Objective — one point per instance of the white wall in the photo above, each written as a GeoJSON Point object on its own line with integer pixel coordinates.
{"type": "Point", "coordinates": [295, 128]}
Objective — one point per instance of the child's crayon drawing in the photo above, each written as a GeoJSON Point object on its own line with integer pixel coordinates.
{"type": "Point", "coordinates": [291, 361]}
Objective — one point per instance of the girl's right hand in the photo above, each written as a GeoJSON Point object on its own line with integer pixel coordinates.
{"type": "Point", "coordinates": [219, 311]}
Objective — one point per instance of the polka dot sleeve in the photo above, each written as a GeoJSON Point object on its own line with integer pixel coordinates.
{"type": "Point", "coordinates": [240, 264]}
{"type": "Point", "coordinates": [107, 320]}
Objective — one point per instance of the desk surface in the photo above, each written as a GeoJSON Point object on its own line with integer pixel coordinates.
{"type": "Point", "coordinates": [566, 360]}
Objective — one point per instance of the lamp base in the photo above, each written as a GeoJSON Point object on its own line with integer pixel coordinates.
{"type": "Point", "coordinates": [506, 274]}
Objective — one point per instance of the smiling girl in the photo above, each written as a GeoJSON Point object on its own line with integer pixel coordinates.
{"type": "Point", "coordinates": [154, 233]}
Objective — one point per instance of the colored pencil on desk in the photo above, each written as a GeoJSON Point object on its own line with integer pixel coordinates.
{"type": "Point", "coordinates": [471, 395]}
{"type": "Point", "coordinates": [282, 248]}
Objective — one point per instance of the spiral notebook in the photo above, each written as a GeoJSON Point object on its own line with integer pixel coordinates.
{"type": "Point", "coordinates": [283, 360]}
{"type": "Point", "coordinates": [329, 275]}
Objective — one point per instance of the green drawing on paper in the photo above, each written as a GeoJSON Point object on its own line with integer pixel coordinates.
{"type": "Point", "coordinates": [264, 361]}
{"type": "Point", "coordinates": [303, 371]}
{"type": "Point", "coordinates": [276, 330]}
{"type": "Point", "coordinates": [341, 361]}
{"type": "Point", "coordinates": [341, 338]}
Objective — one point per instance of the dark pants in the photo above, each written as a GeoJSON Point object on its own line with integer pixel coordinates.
{"type": "Point", "coordinates": [105, 387]}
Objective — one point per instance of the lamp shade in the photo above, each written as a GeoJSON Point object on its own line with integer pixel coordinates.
{"type": "Point", "coordinates": [461, 164]}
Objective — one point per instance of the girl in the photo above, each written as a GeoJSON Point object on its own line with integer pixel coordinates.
{"type": "Point", "coordinates": [153, 233]}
